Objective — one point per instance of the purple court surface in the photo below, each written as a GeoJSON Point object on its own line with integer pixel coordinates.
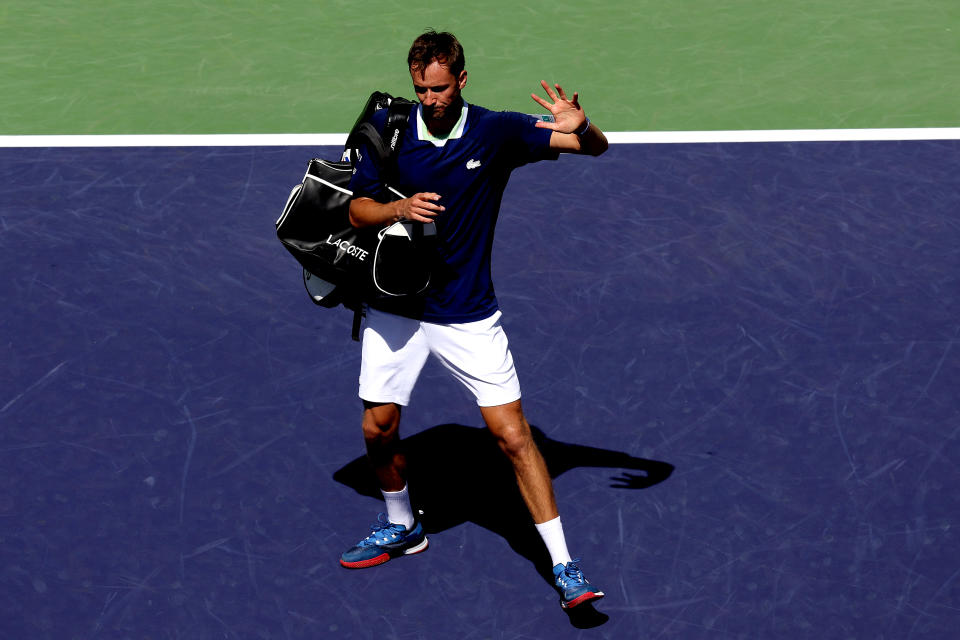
{"type": "Point", "coordinates": [742, 362]}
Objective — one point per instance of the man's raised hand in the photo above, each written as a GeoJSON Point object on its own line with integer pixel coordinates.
{"type": "Point", "coordinates": [567, 113]}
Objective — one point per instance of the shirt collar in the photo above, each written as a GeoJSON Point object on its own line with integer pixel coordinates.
{"type": "Point", "coordinates": [456, 132]}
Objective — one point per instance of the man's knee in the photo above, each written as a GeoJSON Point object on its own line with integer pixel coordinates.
{"type": "Point", "coordinates": [380, 422]}
{"type": "Point", "coordinates": [514, 438]}
{"type": "Point", "coordinates": [510, 428]}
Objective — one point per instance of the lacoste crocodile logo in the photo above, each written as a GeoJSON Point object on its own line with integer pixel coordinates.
{"type": "Point", "coordinates": [473, 164]}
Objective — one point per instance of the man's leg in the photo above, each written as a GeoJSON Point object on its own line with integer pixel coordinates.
{"type": "Point", "coordinates": [397, 533]}
{"type": "Point", "coordinates": [381, 433]}
{"type": "Point", "coordinates": [509, 426]}
{"type": "Point", "coordinates": [393, 352]}
{"type": "Point", "coordinates": [478, 355]}
{"type": "Point", "coordinates": [392, 355]}
{"type": "Point", "coordinates": [512, 432]}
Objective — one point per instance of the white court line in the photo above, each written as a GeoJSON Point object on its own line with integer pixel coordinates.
{"type": "Point", "coordinates": [616, 137]}
{"type": "Point", "coordinates": [176, 140]}
{"type": "Point", "coordinates": [783, 135]}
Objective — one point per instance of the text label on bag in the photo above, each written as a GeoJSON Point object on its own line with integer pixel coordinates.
{"type": "Point", "coordinates": [349, 249]}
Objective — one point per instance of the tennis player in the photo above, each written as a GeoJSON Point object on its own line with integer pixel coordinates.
{"type": "Point", "coordinates": [456, 159]}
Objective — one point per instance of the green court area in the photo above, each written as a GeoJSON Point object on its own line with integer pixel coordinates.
{"type": "Point", "coordinates": [246, 66]}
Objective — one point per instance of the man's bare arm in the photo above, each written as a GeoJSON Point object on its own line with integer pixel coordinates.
{"type": "Point", "coordinates": [422, 207]}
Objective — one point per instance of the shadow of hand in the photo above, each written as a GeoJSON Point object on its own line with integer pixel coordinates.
{"type": "Point", "coordinates": [632, 481]}
{"type": "Point", "coordinates": [651, 472]}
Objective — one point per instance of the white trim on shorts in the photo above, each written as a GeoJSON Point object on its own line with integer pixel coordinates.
{"type": "Point", "coordinates": [395, 349]}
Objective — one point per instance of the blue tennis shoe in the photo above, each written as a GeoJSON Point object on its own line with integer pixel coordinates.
{"type": "Point", "coordinates": [573, 587]}
{"type": "Point", "coordinates": [386, 540]}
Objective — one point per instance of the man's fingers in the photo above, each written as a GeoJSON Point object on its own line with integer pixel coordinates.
{"type": "Point", "coordinates": [549, 90]}
{"type": "Point", "coordinates": [428, 201]}
{"type": "Point", "coordinates": [557, 96]}
{"type": "Point", "coordinates": [424, 207]}
{"type": "Point", "coordinates": [543, 103]}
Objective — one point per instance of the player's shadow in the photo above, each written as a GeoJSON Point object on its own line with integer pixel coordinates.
{"type": "Point", "coordinates": [458, 474]}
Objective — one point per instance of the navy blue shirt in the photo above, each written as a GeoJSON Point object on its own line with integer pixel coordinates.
{"type": "Point", "coordinates": [470, 172]}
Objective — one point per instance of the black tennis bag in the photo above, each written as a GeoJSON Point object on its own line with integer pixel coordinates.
{"type": "Point", "coordinates": [343, 264]}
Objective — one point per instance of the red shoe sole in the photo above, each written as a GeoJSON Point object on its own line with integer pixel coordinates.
{"type": "Point", "coordinates": [587, 597]}
{"type": "Point", "coordinates": [363, 564]}
{"type": "Point", "coordinates": [383, 557]}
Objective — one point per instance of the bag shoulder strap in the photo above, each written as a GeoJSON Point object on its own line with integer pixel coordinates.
{"type": "Point", "coordinates": [398, 116]}
{"type": "Point", "coordinates": [386, 147]}
{"type": "Point", "coordinates": [383, 144]}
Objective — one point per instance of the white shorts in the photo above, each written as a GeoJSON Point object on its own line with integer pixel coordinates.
{"type": "Point", "coordinates": [396, 348]}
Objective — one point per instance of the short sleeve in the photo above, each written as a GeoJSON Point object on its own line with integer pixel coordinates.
{"type": "Point", "coordinates": [527, 142]}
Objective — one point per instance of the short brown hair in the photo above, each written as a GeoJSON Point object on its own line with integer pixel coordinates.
{"type": "Point", "coordinates": [442, 47]}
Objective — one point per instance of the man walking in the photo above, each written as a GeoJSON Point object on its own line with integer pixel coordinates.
{"type": "Point", "coordinates": [455, 159]}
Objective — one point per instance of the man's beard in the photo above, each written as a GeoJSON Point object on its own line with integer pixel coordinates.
{"type": "Point", "coordinates": [446, 114]}
{"type": "Point", "coordinates": [435, 112]}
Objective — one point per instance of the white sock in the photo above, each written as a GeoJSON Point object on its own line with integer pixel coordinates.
{"type": "Point", "coordinates": [399, 510]}
{"type": "Point", "coordinates": [552, 534]}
